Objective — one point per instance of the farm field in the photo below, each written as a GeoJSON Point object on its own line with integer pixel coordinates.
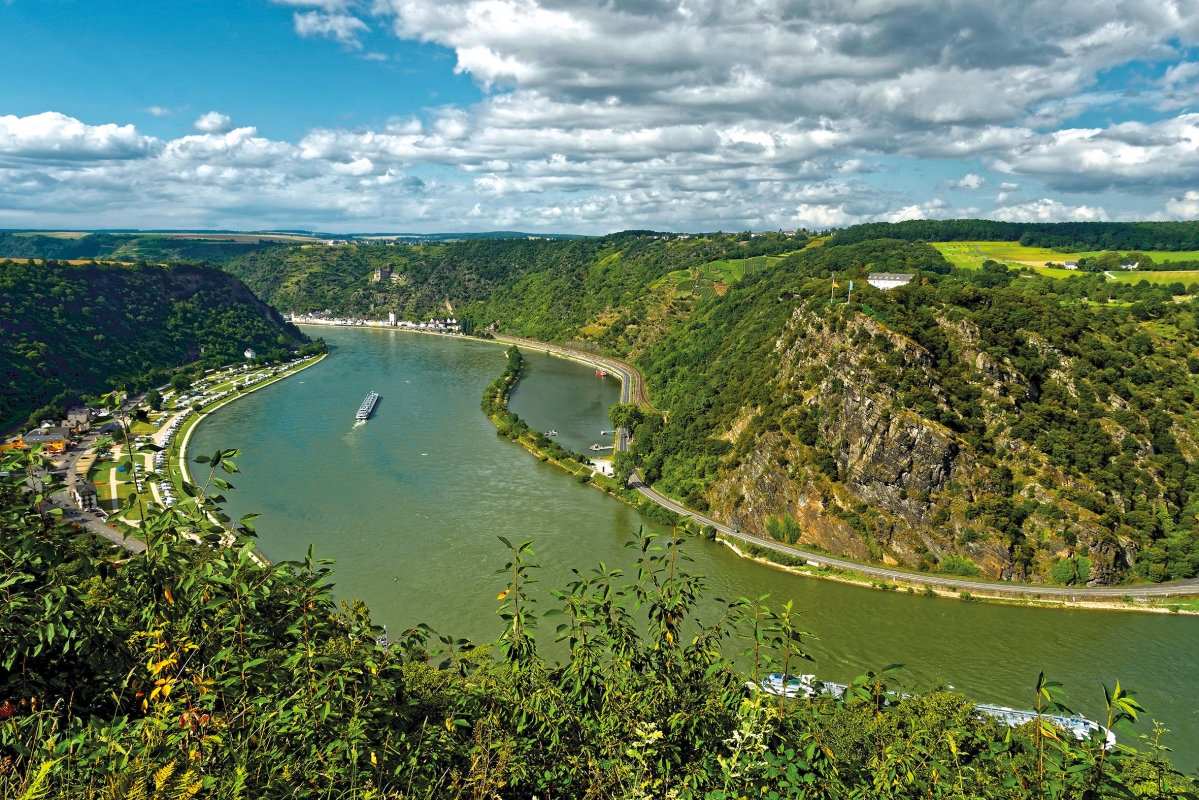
{"type": "Point", "coordinates": [1128, 276]}
{"type": "Point", "coordinates": [972, 254]}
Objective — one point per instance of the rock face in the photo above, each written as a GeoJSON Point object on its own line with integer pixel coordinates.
{"type": "Point", "coordinates": [869, 472]}
{"type": "Point", "coordinates": [887, 456]}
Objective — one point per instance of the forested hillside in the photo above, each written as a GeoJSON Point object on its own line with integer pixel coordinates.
{"type": "Point", "coordinates": [1068, 236]}
{"type": "Point", "coordinates": [555, 284]}
{"type": "Point", "coordinates": [69, 330]}
{"type": "Point", "coordinates": [975, 422]}
{"type": "Point", "coordinates": [126, 247]}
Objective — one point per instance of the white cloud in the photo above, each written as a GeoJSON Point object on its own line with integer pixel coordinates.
{"type": "Point", "coordinates": [1179, 88]}
{"type": "Point", "coordinates": [971, 181]}
{"type": "Point", "coordinates": [160, 111]}
{"type": "Point", "coordinates": [1186, 208]}
{"type": "Point", "coordinates": [58, 139]}
{"type": "Point", "coordinates": [342, 28]}
{"type": "Point", "coordinates": [1130, 155]}
{"type": "Point", "coordinates": [1048, 210]}
{"type": "Point", "coordinates": [213, 122]}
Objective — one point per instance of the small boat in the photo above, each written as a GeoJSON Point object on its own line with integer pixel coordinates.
{"type": "Point", "coordinates": [551, 433]}
{"type": "Point", "coordinates": [367, 408]}
{"type": "Point", "coordinates": [601, 373]}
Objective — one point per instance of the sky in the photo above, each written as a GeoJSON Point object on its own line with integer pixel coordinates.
{"type": "Point", "coordinates": [591, 116]}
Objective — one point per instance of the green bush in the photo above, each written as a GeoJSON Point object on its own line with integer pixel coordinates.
{"type": "Point", "coordinates": [953, 564]}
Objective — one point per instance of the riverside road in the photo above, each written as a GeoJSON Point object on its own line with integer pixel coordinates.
{"type": "Point", "coordinates": [633, 385]}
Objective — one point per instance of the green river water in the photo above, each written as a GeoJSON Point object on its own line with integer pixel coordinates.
{"type": "Point", "coordinates": [410, 505]}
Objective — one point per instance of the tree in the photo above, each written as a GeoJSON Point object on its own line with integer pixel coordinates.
{"type": "Point", "coordinates": [180, 382]}
{"type": "Point", "coordinates": [154, 400]}
{"type": "Point", "coordinates": [626, 415]}
{"type": "Point", "coordinates": [622, 466]}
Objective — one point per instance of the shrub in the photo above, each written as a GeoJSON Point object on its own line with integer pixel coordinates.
{"type": "Point", "coordinates": [953, 564]}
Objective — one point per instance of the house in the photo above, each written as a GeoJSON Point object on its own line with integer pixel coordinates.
{"type": "Point", "coordinates": [391, 318]}
{"type": "Point", "coordinates": [1071, 265]}
{"type": "Point", "coordinates": [52, 440]}
{"type": "Point", "coordinates": [250, 353]}
{"type": "Point", "coordinates": [79, 417]}
{"type": "Point", "coordinates": [83, 493]}
{"type": "Point", "coordinates": [889, 280]}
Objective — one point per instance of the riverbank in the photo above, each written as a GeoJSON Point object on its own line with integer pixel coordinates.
{"type": "Point", "coordinates": [515, 429]}
{"type": "Point", "coordinates": [177, 453]}
{"type": "Point", "coordinates": [1180, 597]}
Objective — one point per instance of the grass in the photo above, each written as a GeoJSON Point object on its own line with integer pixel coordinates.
{"type": "Point", "coordinates": [1185, 278]}
{"type": "Point", "coordinates": [972, 254]}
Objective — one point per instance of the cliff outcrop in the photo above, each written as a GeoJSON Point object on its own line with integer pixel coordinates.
{"type": "Point", "coordinates": [865, 466]}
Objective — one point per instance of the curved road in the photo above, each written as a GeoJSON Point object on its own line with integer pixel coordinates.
{"type": "Point", "coordinates": [633, 382]}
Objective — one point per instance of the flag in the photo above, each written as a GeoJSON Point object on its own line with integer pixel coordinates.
{"type": "Point", "coordinates": [851, 286]}
{"type": "Point", "coordinates": [835, 284]}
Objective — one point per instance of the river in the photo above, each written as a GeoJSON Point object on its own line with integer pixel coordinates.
{"type": "Point", "coordinates": [411, 504]}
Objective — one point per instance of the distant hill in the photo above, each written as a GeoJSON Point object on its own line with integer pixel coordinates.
{"type": "Point", "coordinates": [127, 247]}
{"type": "Point", "coordinates": [1077, 236]}
{"type": "Point", "coordinates": [496, 278]}
{"type": "Point", "coordinates": [67, 330]}
{"type": "Point", "coordinates": [442, 237]}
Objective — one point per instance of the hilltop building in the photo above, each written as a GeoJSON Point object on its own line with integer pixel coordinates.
{"type": "Point", "coordinates": [249, 354]}
{"type": "Point", "coordinates": [387, 273]}
{"type": "Point", "coordinates": [887, 281]}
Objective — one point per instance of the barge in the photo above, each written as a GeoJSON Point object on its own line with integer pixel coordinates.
{"type": "Point", "coordinates": [367, 408]}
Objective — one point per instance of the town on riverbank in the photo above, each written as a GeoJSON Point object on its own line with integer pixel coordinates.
{"type": "Point", "coordinates": [99, 469]}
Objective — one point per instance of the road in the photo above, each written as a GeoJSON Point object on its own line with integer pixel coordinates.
{"type": "Point", "coordinates": [93, 524]}
{"type": "Point", "coordinates": [633, 382]}
{"type": "Point", "coordinates": [84, 518]}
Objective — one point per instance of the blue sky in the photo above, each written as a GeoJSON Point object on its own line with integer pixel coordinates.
{"type": "Point", "coordinates": [594, 115]}
{"type": "Point", "coordinates": [111, 61]}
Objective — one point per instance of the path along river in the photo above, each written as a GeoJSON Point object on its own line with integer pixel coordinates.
{"type": "Point", "coordinates": [410, 505]}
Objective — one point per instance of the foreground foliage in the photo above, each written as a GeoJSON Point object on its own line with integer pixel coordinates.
{"type": "Point", "coordinates": [195, 670]}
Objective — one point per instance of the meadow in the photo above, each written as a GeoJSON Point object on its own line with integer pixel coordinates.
{"type": "Point", "coordinates": [972, 254]}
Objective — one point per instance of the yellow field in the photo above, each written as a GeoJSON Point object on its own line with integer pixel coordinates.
{"type": "Point", "coordinates": [1185, 278]}
{"type": "Point", "coordinates": [972, 254]}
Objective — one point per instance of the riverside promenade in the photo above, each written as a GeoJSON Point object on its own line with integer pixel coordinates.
{"type": "Point", "coordinates": [633, 386]}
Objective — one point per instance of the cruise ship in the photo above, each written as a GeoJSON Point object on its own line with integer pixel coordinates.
{"type": "Point", "coordinates": [792, 686]}
{"type": "Point", "coordinates": [367, 407]}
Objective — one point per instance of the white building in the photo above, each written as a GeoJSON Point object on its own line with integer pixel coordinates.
{"type": "Point", "coordinates": [391, 318]}
{"type": "Point", "coordinates": [1071, 265]}
{"type": "Point", "coordinates": [250, 353]}
{"type": "Point", "coordinates": [889, 280]}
